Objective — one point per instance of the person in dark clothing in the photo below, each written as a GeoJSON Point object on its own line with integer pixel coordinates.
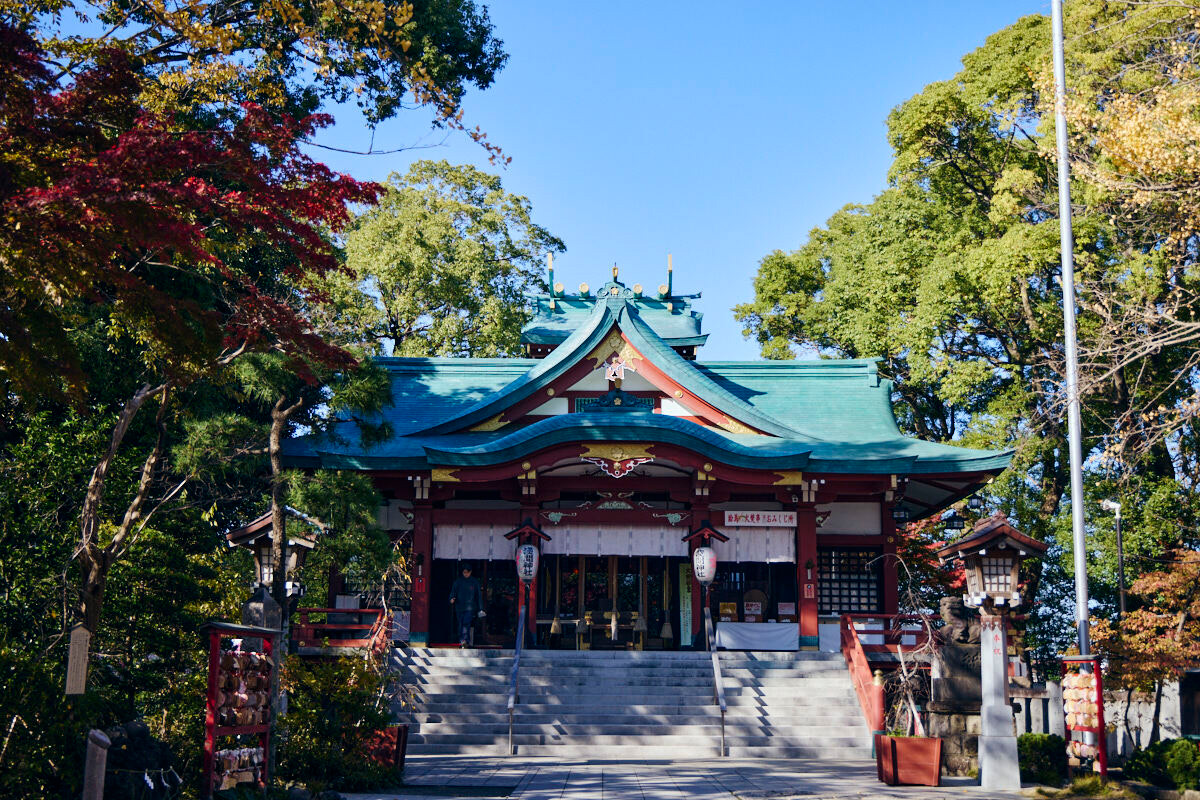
{"type": "Point", "coordinates": [466, 597]}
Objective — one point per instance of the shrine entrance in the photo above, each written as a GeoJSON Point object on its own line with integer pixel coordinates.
{"type": "Point", "coordinates": [584, 592]}
{"type": "Point", "coordinates": [498, 582]}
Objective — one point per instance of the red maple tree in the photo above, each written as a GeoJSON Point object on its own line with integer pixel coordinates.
{"type": "Point", "coordinates": [189, 244]}
{"type": "Point", "coordinates": [106, 206]}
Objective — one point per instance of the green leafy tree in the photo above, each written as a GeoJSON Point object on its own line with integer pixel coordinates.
{"type": "Point", "coordinates": [206, 56]}
{"type": "Point", "coordinates": [442, 264]}
{"type": "Point", "coordinates": [949, 276]}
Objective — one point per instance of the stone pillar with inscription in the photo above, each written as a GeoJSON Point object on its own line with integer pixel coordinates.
{"type": "Point", "coordinates": [998, 768]}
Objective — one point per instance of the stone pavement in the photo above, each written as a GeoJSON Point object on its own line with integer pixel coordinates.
{"type": "Point", "coordinates": [724, 779]}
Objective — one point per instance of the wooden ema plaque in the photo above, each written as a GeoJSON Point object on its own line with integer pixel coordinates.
{"type": "Point", "coordinates": [239, 707]}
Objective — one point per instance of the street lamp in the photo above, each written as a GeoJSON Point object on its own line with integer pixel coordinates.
{"type": "Point", "coordinates": [954, 522]}
{"type": "Point", "coordinates": [1115, 507]}
{"type": "Point", "coordinates": [991, 555]}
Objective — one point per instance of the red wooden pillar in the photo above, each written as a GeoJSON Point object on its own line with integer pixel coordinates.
{"type": "Point", "coordinates": [422, 554]}
{"type": "Point", "coordinates": [891, 568]}
{"type": "Point", "coordinates": [806, 577]}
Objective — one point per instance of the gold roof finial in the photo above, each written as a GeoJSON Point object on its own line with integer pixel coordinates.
{"type": "Point", "coordinates": [614, 271]}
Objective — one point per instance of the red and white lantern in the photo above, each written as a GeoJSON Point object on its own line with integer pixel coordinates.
{"type": "Point", "coordinates": [704, 565]}
{"type": "Point", "coordinates": [527, 562]}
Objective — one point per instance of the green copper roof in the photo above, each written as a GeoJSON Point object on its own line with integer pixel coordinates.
{"type": "Point", "coordinates": [821, 416]}
{"type": "Point", "coordinates": [670, 316]}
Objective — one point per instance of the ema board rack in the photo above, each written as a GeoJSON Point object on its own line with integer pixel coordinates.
{"type": "Point", "coordinates": [238, 712]}
{"type": "Point", "coordinates": [1083, 703]}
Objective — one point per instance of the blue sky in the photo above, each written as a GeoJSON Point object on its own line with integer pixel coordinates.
{"type": "Point", "coordinates": [717, 132]}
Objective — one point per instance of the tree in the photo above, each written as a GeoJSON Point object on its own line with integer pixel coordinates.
{"type": "Point", "coordinates": [1161, 639]}
{"type": "Point", "coordinates": [949, 276]}
{"type": "Point", "coordinates": [443, 264]}
{"type": "Point", "coordinates": [132, 230]}
{"type": "Point", "coordinates": [212, 55]}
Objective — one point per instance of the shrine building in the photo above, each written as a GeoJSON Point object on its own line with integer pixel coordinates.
{"type": "Point", "coordinates": [617, 448]}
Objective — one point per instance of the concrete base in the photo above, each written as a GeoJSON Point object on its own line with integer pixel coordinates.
{"type": "Point", "coordinates": [998, 767]}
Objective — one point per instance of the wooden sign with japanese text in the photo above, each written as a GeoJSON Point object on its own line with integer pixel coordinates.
{"type": "Point", "coordinates": [760, 519]}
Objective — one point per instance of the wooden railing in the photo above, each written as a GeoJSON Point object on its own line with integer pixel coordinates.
{"type": "Point", "coordinates": [868, 689]}
{"type": "Point", "coordinates": [369, 628]}
{"type": "Point", "coordinates": [892, 630]}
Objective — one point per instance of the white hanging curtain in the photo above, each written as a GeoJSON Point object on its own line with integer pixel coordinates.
{"type": "Point", "coordinates": [772, 545]}
{"type": "Point", "coordinates": [616, 540]}
{"type": "Point", "coordinates": [473, 541]}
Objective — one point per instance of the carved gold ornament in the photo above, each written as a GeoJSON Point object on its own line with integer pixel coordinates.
{"type": "Point", "coordinates": [614, 343]}
{"type": "Point", "coordinates": [493, 424]}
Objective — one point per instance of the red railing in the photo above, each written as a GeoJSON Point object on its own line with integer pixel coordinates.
{"type": "Point", "coordinates": [892, 629]}
{"type": "Point", "coordinates": [869, 691]}
{"type": "Point", "coordinates": [369, 628]}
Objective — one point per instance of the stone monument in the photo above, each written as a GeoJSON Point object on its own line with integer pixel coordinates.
{"type": "Point", "coordinates": [956, 688]}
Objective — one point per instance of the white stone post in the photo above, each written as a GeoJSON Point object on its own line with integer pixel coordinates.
{"type": "Point", "coordinates": [998, 767]}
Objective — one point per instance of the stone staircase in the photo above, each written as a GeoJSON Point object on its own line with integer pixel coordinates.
{"type": "Point", "coordinates": [628, 704]}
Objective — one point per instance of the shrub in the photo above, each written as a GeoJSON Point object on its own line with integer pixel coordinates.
{"type": "Point", "coordinates": [1183, 764]}
{"type": "Point", "coordinates": [333, 706]}
{"type": "Point", "coordinates": [1172, 763]}
{"type": "Point", "coordinates": [1043, 758]}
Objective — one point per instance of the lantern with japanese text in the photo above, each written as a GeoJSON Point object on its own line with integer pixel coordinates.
{"type": "Point", "coordinates": [704, 564]}
{"type": "Point", "coordinates": [527, 562]}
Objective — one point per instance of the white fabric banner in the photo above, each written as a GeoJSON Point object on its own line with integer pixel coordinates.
{"type": "Point", "coordinates": [757, 636]}
{"type": "Point", "coordinates": [775, 545]}
{"type": "Point", "coordinates": [474, 541]}
{"type": "Point", "coordinates": [616, 540]}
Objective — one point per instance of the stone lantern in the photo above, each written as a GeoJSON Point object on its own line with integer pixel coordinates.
{"type": "Point", "coordinates": [257, 537]}
{"type": "Point", "coordinates": [991, 555]}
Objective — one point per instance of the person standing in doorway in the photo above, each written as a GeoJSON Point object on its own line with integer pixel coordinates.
{"type": "Point", "coordinates": [466, 597]}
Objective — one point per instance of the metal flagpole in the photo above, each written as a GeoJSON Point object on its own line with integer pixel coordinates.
{"type": "Point", "coordinates": [1074, 434]}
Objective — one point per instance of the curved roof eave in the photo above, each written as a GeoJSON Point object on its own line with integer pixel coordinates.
{"type": "Point", "coordinates": [628, 427]}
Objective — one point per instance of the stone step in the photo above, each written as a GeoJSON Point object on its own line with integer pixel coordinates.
{"type": "Point", "coordinates": [859, 755]}
{"type": "Point", "coordinates": [702, 671]}
{"type": "Point", "coordinates": [591, 705]}
{"type": "Point", "coordinates": [698, 739]}
{"type": "Point", "coordinates": [802, 734]}
{"type": "Point", "coordinates": [733, 716]}
{"type": "Point", "coordinates": [568, 683]}
{"type": "Point", "coordinates": [631, 704]}
{"type": "Point", "coordinates": [631, 658]}
{"type": "Point", "coordinates": [630, 696]}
